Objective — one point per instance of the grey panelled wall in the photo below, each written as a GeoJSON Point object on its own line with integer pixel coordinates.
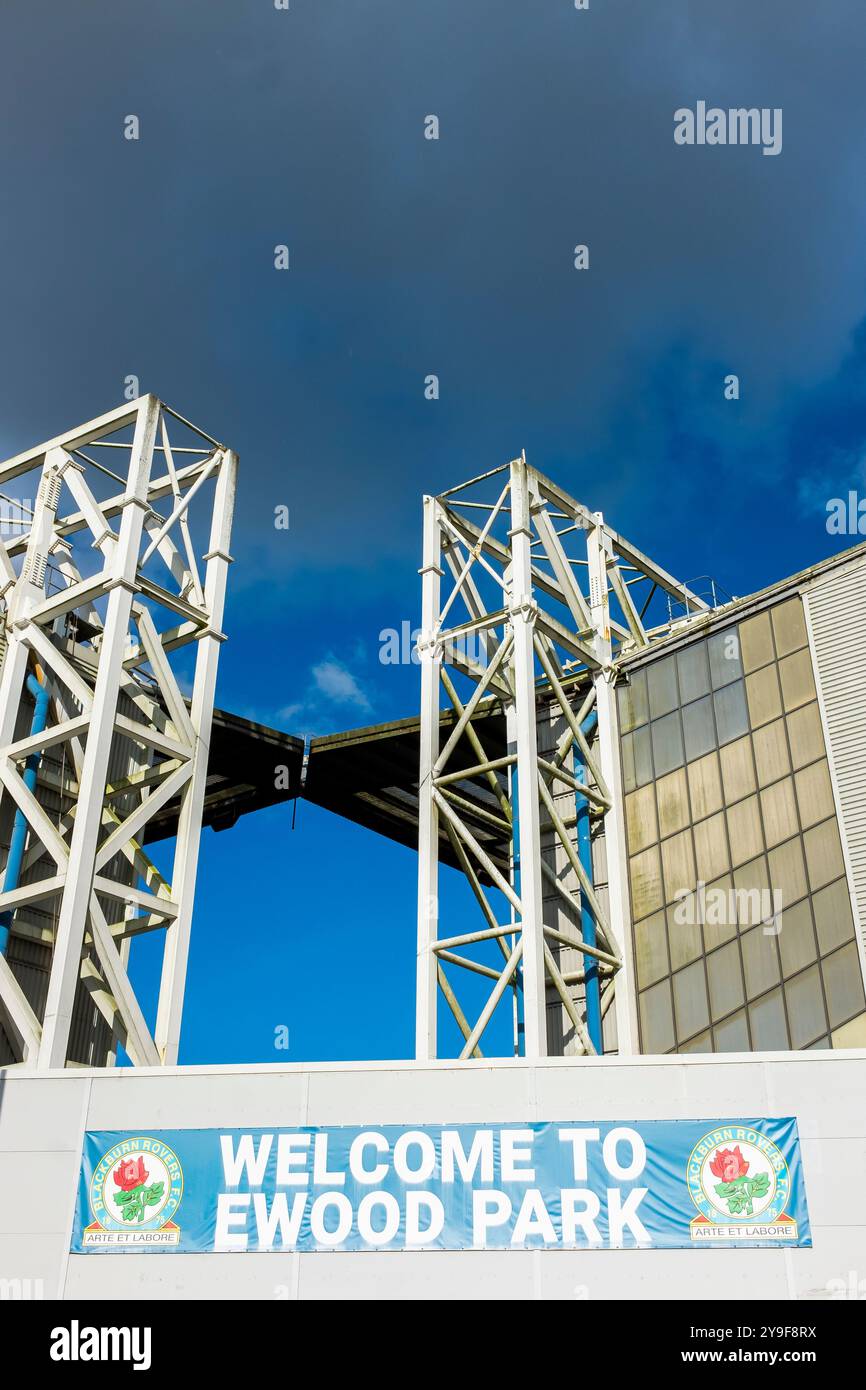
{"type": "Point", "coordinates": [743, 930]}
{"type": "Point", "coordinates": [42, 1119]}
{"type": "Point", "coordinates": [836, 607]}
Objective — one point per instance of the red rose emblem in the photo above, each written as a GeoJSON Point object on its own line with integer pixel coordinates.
{"type": "Point", "coordinates": [130, 1173]}
{"type": "Point", "coordinates": [729, 1164]}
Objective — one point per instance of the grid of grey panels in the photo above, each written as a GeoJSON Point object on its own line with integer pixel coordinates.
{"type": "Point", "coordinates": [730, 817]}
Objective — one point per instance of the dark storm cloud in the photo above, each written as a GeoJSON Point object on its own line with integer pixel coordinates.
{"type": "Point", "coordinates": [411, 256]}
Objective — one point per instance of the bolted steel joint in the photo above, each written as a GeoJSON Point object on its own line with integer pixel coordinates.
{"type": "Point", "coordinates": [429, 647]}
{"type": "Point", "coordinates": [525, 608]}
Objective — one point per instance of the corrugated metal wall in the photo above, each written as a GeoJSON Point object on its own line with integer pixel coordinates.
{"type": "Point", "coordinates": [836, 604]}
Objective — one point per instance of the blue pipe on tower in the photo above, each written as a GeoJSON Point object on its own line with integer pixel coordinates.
{"type": "Point", "coordinates": [15, 858]}
{"type": "Point", "coordinates": [587, 921]}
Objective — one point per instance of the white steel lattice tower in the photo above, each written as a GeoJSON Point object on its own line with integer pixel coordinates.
{"type": "Point", "coordinates": [546, 595]}
{"type": "Point", "coordinates": [118, 575]}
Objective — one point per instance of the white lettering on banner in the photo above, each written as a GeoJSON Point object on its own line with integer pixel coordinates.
{"type": "Point", "coordinates": [245, 1159]}
{"type": "Point", "coordinates": [416, 1203]}
{"type": "Point", "coordinates": [334, 1201]}
{"type": "Point", "coordinates": [382, 1234]}
{"type": "Point", "coordinates": [583, 1216]}
{"type": "Point", "coordinates": [580, 1208]}
{"type": "Point", "coordinates": [516, 1147]}
{"type": "Point", "coordinates": [288, 1159]}
{"type": "Point", "coordinates": [321, 1176]}
{"type": "Point", "coordinates": [379, 1217]}
{"type": "Point", "coordinates": [579, 1138]}
{"type": "Point", "coordinates": [231, 1211]}
{"type": "Point", "coordinates": [638, 1151]}
{"type": "Point", "coordinates": [414, 1158]}
{"type": "Point", "coordinates": [414, 1138]}
{"type": "Point", "coordinates": [372, 1140]}
{"type": "Point", "coordinates": [533, 1219]}
{"type": "Point", "coordinates": [623, 1215]}
{"type": "Point", "coordinates": [489, 1209]}
{"type": "Point", "coordinates": [278, 1219]}
{"type": "Point", "coordinates": [480, 1156]}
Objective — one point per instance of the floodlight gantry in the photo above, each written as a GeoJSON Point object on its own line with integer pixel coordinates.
{"type": "Point", "coordinates": [103, 587]}
{"type": "Point", "coordinates": [551, 597]}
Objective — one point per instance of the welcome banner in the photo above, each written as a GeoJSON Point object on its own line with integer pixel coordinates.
{"type": "Point", "coordinates": [668, 1184]}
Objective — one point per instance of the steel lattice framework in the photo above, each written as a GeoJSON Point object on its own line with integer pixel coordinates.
{"type": "Point", "coordinates": [552, 597]}
{"type": "Point", "coordinates": [106, 592]}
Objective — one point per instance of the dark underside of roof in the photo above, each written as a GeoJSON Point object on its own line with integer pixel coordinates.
{"type": "Point", "coordinates": [369, 776]}
{"type": "Point", "coordinates": [244, 774]}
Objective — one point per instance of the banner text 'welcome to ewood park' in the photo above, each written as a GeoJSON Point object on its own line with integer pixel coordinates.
{"type": "Point", "coordinates": [653, 1184]}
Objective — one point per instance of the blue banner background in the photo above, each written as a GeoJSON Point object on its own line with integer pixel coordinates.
{"type": "Point", "coordinates": [182, 1215]}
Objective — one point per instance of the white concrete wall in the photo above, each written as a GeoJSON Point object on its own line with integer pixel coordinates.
{"type": "Point", "coordinates": [43, 1118]}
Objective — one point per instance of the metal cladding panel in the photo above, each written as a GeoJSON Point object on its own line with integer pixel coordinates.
{"type": "Point", "coordinates": [836, 605]}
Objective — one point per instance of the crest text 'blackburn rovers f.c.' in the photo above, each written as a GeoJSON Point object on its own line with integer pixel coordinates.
{"type": "Point", "coordinates": [135, 1192]}
{"type": "Point", "coordinates": [739, 1181]}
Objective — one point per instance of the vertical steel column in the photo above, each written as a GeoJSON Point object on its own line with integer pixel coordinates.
{"type": "Point", "coordinates": [523, 610]}
{"type": "Point", "coordinates": [430, 656]}
{"type": "Point", "coordinates": [14, 674]}
{"type": "Point", "coordinates": [587, 921]}
{"type": "Point", "coordinates": [23, 596]}
{"type": "Point", "coordinates": [176, 950]}
{"type": "Point", "coordinates": [599, 552]}
{"type": "Point", "coordinates": [511, 749]}
{"type": "Point", "coordinates": [79, 878]}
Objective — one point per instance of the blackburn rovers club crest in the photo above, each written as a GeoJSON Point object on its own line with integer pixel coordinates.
{"type": "Point", "coordinates": [135, 1192]}
{"type": "Point", "coordinates": [740, 1184]}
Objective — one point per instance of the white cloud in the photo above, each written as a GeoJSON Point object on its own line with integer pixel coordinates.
{"type": "Point", "coordinates": [815, 490]}
{"type": "Point", "coordinates": [337, 683]}
{"type": "Point", "coordinates": [332, 687]}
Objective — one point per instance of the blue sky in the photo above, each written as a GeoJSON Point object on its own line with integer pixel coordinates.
{"type": "Point", "coordinates": [408, 257]}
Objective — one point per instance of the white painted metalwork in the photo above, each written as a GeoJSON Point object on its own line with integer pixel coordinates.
{"type": "Point", "coordinates": [549, 593]}
{"type": "Point", "coordinates": [100, 593]}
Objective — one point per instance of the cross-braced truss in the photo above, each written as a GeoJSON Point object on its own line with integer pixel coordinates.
{"type": "Point", "coordinates": [542, 599]}
{"type": "Point", "coordinates": [113, 590]}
